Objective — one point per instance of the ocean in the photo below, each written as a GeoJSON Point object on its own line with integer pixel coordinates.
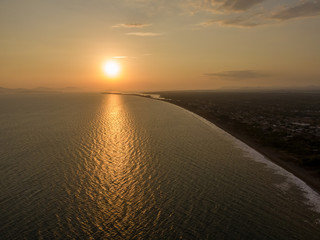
{"type": "Point", "coordinates": [94, 166]}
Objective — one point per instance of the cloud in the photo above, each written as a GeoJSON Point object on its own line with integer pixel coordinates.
{"type": "Point", "coordinates": [144, 34]}
{"type": "Point", "coordinates": [238, 21]}
{"type": "Point", "coordinates": [240, 14]}
{"type": "Point", "coordinates": [238, 75]}
{"type": "Point", "coordinates": [304, 9]}
{"type": "Point", "coordinates": [238, 5]}
{"type": "Point", "coordinates": [225, 5]}
{"type": "Point", "coordinates": [131, 25]}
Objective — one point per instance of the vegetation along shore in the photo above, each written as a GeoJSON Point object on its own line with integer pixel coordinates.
{"type": "Point", "coordinates": [282, 125]}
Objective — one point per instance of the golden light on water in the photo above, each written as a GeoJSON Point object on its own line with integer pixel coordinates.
{"type": "Point", "coordinates": [111, 68]}
{"type": "Point", "coordinates": [118, 169]}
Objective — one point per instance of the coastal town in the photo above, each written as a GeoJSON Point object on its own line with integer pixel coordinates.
{"type": "Point", "coordinates": [287, 123]}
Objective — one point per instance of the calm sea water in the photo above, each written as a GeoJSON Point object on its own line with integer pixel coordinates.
{"type": "Point", "coordinates": [95, 166]}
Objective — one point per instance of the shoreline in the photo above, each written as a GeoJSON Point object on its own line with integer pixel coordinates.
{"type": "Point", "coordinates": [307, 176]}
{"type": "Point", "coordinates": [277, 158]}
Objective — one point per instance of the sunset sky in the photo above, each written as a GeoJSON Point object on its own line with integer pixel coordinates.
{"type": "Point", "coordinates": [160, 44]}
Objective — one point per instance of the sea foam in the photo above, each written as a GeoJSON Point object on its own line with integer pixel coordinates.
{"type": "Point", "coordinates": [311, 196]}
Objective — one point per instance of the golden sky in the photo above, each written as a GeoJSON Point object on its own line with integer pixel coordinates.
{"type": "Point", "coordinates": [160, 44]}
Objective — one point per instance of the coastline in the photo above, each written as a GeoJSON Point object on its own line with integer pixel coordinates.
{"type": "Point", "coordinates": [276, 157]}
{"type": "Point", "coordinates": [309, 177]}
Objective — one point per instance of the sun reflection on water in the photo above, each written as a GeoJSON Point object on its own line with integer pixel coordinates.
{"type": "Point", "coordinates": [117, 173]}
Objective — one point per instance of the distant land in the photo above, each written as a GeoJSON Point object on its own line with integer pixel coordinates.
{"type": "Point", "coordinates": [283, 125]}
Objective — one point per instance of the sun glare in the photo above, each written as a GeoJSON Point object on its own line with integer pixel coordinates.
{"type": "Point", "coordinates": [111, 68]}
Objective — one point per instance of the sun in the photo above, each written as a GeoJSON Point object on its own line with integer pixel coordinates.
{"type": "Point", "coordinates": [111, 69]}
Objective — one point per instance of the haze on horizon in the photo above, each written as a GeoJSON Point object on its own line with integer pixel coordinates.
{"type": "Point", "coordinates": [160, 45]}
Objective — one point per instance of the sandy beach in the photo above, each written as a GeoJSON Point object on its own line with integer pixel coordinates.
{"type": "Point", "coordinates": [311, 177]}
{"type": "Point", "coordinates": [308, 176]}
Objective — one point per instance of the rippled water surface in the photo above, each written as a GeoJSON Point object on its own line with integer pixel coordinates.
{"type": "Point", "coordinates": [95, 166]}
